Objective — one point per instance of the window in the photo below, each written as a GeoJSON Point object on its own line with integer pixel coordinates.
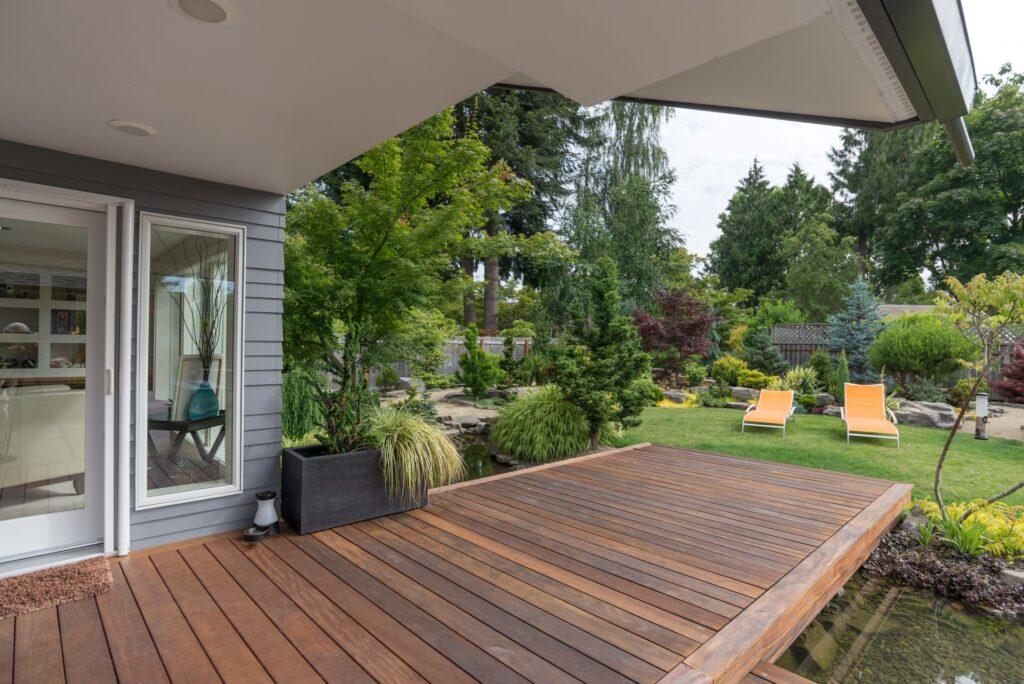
{"type": "Point", "coordinates": [190, 360]}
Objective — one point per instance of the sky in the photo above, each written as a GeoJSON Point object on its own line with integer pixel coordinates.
{"type": "Point", "coordinates": [712, 152]}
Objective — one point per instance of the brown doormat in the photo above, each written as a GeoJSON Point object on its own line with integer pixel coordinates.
{"type": "Point", "coordinates": [50, 587]}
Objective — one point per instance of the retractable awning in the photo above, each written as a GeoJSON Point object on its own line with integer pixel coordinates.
{"type": "Point", "coordinates": [271, 94]}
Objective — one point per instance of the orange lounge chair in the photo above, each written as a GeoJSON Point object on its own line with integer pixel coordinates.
{"type": "Point", "coordinates": [866, 415]}
{"type": "Point", "coordinates": [772, 410]}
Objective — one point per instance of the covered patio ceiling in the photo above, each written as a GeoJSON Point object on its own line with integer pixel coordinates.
{"type": "Point", "coordinates": [277, 93]}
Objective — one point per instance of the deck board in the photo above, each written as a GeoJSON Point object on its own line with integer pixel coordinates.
{"type": "Point", "coordinates": [644, 564]}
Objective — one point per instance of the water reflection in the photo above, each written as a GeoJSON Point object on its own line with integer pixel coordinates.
{"type": "Point", "coordinates": [879, 632]}
{"type": "Point", "coordinates": [476, 455]}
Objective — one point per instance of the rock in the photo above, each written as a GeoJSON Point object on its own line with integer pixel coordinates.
{"type": "Point", "coordinates": [832, 410]}
{"type": "Point", "coordinates": [677, 396]}
{"type": "Point", "coordinates": [915, 520]}
{"type": "Point", "coordinates": [467, 421]}
{"type": "Point", "coordinates": [926, 414]}
{"type": "Point", "coordinates": [408, 383]}
{"type": "Point", "coordinates": [741, 405]}
{"type": "Point", "coordinates": [1014, 578]}
{"type": "Point", "coordinates": [744, 393]}
{"type": "Point", "coordinates": [504, 459]}
{"type": "Point", "coordinates": [824, 399]}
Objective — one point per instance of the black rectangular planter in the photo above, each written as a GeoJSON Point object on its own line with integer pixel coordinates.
{"type": "Point", "coordinates": [321, 490]}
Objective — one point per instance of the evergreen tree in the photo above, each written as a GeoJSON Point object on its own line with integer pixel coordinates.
{"type": "Point", "coordinates": [534, 133]}
{"type": "Point", "coordinates": [760, 354]}
{"type": "Point", "coordinates": [821, 267]}
{"type": "Point", "coordinates": [839, 378]}
{"type": "Point", "coordinates": [747, 254]}
{"type": "Point", "coordinates": [854, 328]}
{"type": "Point", "coordinates": [602, 370]}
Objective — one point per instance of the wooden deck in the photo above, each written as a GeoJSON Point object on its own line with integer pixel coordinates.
{"type": "Point", "coordinates": [647, 564]}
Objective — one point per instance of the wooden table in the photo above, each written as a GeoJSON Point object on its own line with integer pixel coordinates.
{"type": "Point", "coordinates": [181, 428]}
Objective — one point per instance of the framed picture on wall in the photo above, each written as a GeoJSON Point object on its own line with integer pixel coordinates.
{"type": "Point", "coordinates": [190, 374]}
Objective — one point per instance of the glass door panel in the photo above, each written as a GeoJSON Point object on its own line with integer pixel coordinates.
{"type": "Point", "coordinates": [49, 367]}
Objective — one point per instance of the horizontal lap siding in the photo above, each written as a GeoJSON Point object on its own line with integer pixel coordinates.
{"type": "Point", "coordinates": [263, 216]}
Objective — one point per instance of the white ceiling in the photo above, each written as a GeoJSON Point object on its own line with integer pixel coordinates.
{"type": "Point", "coordinates": [289, 90]}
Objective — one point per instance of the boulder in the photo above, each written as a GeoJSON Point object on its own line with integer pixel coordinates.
{"type": "Point", "coordinates": [824, 399]}
{"type": "Point", "coordinates": [1012, 577]}
{"type": "Point", "coordinates": [832, 410]}
{"type": "Point", "coordinates": [504, 459]}
{"type": "Point", "coordinates": [741, 405]}
{"type": "Point", "coordinates": [915, 520]}
{"type": "Point", "coordinates": [467, 421]}
{"type": "Point", "coordinates": [678, 396]}
{"type": "Point", "coordinates": [744, 393]}
{"type": "Point", "coordinates": [408, 383]}
{"type": "Point", "coordinates": [926, 414]}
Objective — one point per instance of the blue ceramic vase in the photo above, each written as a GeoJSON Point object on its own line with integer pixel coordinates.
{"type": "Point", "coordinates": [204, 402]}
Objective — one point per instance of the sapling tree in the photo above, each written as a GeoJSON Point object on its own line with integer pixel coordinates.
{"type": "Point", "coordinates": [356, 267]}
{"type": "Point", "coordinates": [478, 370]}
{"type": "Point", "coordinates": [984, 310]}
{"type": "Point", "coordinates": [602, 369]}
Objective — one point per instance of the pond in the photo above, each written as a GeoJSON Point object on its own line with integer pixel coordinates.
{"type": "Point", "coordinates": [880, 632]}
{"type": "Point", "coordinates": [476, 455]}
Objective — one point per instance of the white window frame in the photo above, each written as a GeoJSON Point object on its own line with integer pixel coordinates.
{"type": "Point", "coordinates": [143, 499]}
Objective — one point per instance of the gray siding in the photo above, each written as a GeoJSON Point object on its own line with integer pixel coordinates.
{"type": "Point", "coordinates": [263, 215]}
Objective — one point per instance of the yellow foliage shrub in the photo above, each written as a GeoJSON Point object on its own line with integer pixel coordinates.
{"type": "Point", "coordinates": [1003, 524]}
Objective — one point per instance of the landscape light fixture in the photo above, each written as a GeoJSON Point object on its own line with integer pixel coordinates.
{"type": "Point", "coordinates": [981, 416]}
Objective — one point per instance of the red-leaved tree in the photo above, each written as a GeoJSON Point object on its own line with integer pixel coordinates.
{"type": "Point", "coordinates": [1011, 387]}
{"type": "Point", "coordinates": [679, 330]}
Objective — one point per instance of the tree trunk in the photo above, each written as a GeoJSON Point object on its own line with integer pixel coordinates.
{"type": "Point", "coordinates": [468, 265]}
{"type": "Point", "coordinates": [595, 438]}
{"type": "Point", "coordinates": [492, 278]}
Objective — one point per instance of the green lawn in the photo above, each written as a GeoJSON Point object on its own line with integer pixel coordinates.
{"type": "Point", "coordinates": [974, 468]}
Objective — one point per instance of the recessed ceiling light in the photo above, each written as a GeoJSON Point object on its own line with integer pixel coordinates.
{"type": "Point", "coordinates": [136, 128]}
{"type": "Point", "coordinates": [207, 11]}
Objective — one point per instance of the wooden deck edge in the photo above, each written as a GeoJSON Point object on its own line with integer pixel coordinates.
{"type": "Point", "coordinates": [533, 469]}
{"type": "Point", "coordinates": [769, 625]}
{"type": "Point", "coordinates": [767, 672]}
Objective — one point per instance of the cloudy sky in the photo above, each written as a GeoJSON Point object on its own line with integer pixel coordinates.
{"type": "Point", "coordinates": [711, 152]}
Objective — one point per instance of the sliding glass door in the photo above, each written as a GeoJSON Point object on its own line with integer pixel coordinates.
{"type": "Point", "coordinates": [52, 377]}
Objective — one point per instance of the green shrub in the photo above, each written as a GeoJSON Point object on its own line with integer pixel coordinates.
{"type": "Point", "coordinates": [726, 369]}
{"type": "Point", "coordinates": [839, 378]}
{"type": "Point", "coordinates": [540, 426]}
{"type": "Point", "coordinates": [478, 370]}
{"type": "Point", "coordinates": [387, 378]}
{"type": "Point", "coordinates": [695, 372]}
{"type": "Point", "coordinates": [710, 399]}
{"type": "Point", "coordinates": [807, 402]}
{"type": "Point", "coordinates": [958, 392]}
{"type": "Point", "coordinates": [822, 363]}
{"type": "Point", "coordinates": [300, 404]}
{"type": "Point", "coordinates": [414, 452]}
{"type": "Point", "coordinates": [922, 346]}
{"type": "Point", "coordinates": [800, 379]}
{"type": "Point", "coordinates": [967, 538]}
{"type": "Point", "coordinates": [754, 379]}
{"type": "Point", "coordinates": [924, 389]}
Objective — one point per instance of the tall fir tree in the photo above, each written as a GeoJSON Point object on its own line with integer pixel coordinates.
{"type": "Point", "coordinates": [853, 329]}
{"type": "Point", "coordinates": [747, 254]}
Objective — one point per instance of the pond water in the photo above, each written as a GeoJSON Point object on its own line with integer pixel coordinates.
{"type": "Point", "coordinates": [879, 632]}
{"type": "Point", "coordinates": [476, 455]}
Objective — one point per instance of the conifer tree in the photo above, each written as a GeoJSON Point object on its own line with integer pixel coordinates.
{"type": "Point", "coordinates": [854, 329]}
{"type": "Point", "coordinates": [602, 369]}
{"type": "Point", "coordinates": [760, 354]}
